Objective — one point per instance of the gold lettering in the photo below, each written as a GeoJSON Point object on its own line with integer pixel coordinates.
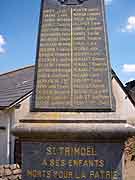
{"type": "Point", "coordinates": [48, 151]}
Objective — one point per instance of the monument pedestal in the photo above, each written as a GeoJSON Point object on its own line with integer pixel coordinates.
{"type": "Point", "coordinates": [72, 130]}
{"type": "Point", "coordinates": [72, 149]}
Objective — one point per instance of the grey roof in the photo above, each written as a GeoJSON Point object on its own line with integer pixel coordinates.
{"type": "Point", "coordinates": [15, 85]}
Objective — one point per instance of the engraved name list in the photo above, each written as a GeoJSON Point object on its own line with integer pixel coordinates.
{"type": "Point", "coordinates": [73, 70]}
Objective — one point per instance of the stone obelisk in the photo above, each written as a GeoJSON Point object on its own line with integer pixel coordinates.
{"type": "Point", "coordinates": [74, 130]}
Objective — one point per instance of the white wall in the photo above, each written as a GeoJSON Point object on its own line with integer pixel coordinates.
{"type": "Point", "coordinates": [23, 110]}
{"type": "Point", "coordinates": [123, 105]}
{"type": "Point", "coordinates": [7, 119]}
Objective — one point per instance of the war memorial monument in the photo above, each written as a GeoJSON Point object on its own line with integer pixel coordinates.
{"type": "Point", "coordinates": [72, 131]}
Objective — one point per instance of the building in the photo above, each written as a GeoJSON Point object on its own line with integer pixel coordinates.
{"type": "Point", "coordinates": [15, 94]}
{"type": "Point", "coordinates": [15, 91]}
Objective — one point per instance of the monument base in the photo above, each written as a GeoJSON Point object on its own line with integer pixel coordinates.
{"type": "Point", "coordinates": [73, 150]}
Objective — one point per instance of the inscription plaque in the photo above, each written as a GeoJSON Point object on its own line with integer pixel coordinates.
{"type": "Point", "coordinates": [73, 161]}
{"type": "Point", "coordinates": [72, 67]}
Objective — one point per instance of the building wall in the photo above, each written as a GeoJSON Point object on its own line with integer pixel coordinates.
{"type": "Point", "coordinates": [8, 118]}
{"type": "Point", "coordinates": [4, 138]}
{"type": "Point", "coordinates": [23, 110]}
{"type": "Point", "coordinates": [123, 104]}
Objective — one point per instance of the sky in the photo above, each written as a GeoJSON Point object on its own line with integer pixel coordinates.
{"type": "Point", "coordinates": [19, 28]}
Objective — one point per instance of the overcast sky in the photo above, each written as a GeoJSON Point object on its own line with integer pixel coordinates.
{"type": "Point", "coordinates": [19, 26]}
